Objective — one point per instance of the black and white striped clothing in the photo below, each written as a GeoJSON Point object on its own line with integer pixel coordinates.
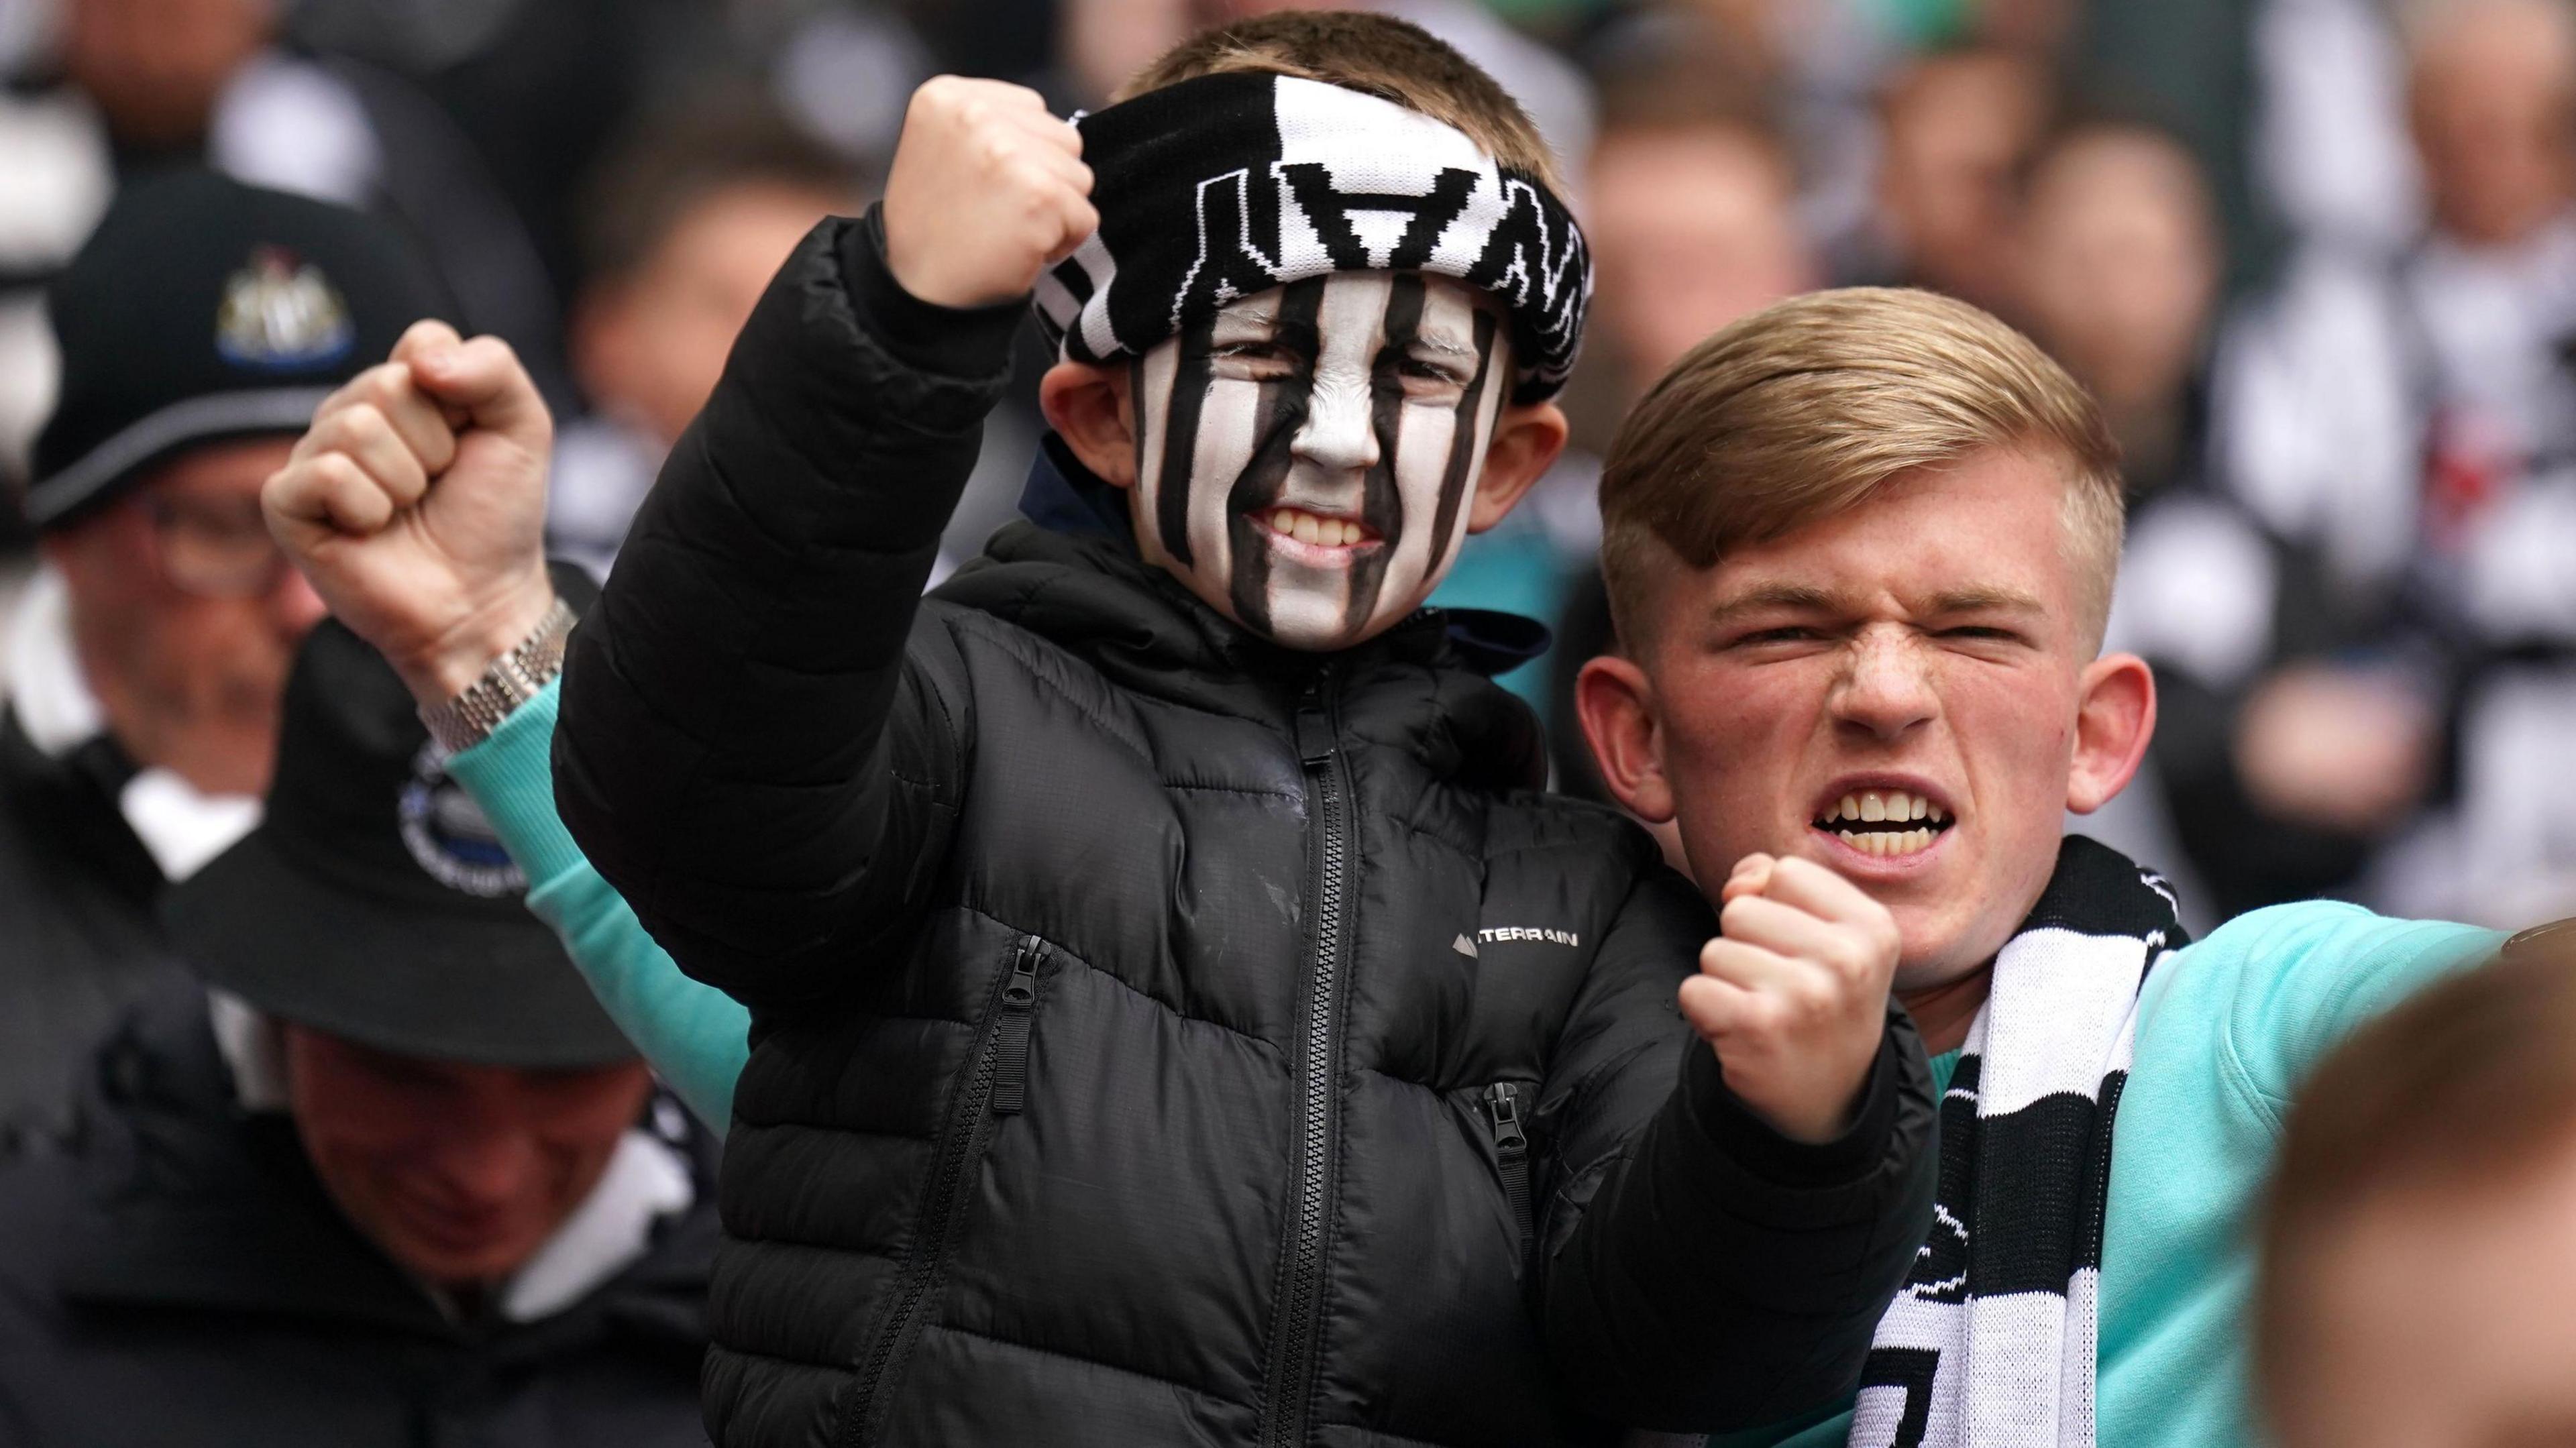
{"type": "Point", "coordinates": [1991, 1341]}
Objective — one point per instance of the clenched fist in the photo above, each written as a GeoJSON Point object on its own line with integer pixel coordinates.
{"type": "Point", "coordinates": [416, 504]}
{"type": "Point", "coordinates": [986, 191]}
{"type": "Point", "coordinates": [1794, 995]}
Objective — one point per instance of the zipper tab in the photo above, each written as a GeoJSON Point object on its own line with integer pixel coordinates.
{"type": "Point", "coordinates": [1315, 742]}
{"type": "Point", "coordinates": [1011, 1038]}
{"type": "Point", "coordinates": [1511, 1153]}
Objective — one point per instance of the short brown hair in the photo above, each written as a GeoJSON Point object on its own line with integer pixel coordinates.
{"type": "Point", "coordinates": [1806, 408]}
{"type": "Point", "coordinates": [1377, 55]}
{"type": "Point", "coordinates": [2462, 1088]}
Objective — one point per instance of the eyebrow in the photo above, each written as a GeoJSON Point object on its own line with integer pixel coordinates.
{"type": "Point", "coordinates": [1982, 600]}
{"type": "Point", "coordinates": [1774, 595]}
{"type": "Point", "coordinates": [1804, 598]}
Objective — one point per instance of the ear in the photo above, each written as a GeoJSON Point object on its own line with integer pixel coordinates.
{"type": "Point", "coordinates": [1527, 438]}
{"type": "Point", "coordinates": [1616, 702]}
{"type": "Point", "coordinates": [2115, 716]}
{"type": "Point", "coordinates": [1090, 407]}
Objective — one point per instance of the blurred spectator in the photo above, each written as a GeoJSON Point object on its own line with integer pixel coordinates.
{"type": "Point", "coordinates": [2273, 774]}
{"type": "Point", "coordinates": [687, 225]}
{"type": "Point", "coordinates": [133, 85]}
{"type": "Point", "coordinates": [1957, 129]}
{"type": "Point", "coordinates": [1693, 220]}
{"type": "Point", "coordinates": [2419, 1277]}
{"type": "Point", "coordinates": [198, 329]}
{"type": "Point", "coordinates": [2415, 425]}
{"type": "Point", "coordinates": [407, 1184]}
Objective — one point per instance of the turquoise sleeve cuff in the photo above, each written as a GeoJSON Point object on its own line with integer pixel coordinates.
{"type": "Point", "coordinates": [694, 1035]}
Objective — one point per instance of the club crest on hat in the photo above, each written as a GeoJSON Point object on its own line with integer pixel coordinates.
{"type": "Point", "coordinates": [279, 311]}
{"type": "Point", "coordinates": [448, 836]}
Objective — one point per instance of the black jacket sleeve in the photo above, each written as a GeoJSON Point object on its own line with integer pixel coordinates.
{"type": "Point", "coordinates": [748, 750]}
{"type": "Point", "coordinates": [1701, 1272]}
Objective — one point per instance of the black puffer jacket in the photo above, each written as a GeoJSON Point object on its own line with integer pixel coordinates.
{"type": "Point", "coordinates": [1161, 1037]}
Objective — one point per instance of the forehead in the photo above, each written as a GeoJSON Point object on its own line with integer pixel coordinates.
{"type": "Point", "coordinates": [1357, 307]}
{"type": "Point", "coordinates": [1995, 522]}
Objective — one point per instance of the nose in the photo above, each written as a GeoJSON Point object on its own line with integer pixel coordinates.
{"type": "Point", "coordinates": [294, 604]}
{"type": "Point", "coordinates": [1340, 431]}
{"type": "Point", "coordinates": [482, 1163]}
{"type": "Point", "coordinates": [1886, 688]}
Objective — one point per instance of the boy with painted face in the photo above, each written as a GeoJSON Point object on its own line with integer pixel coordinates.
{"type": "Point", "coordinates": [1175, 1015]}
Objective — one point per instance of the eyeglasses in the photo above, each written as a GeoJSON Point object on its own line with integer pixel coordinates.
{"type": "Point", "coordinates": [214, 549]}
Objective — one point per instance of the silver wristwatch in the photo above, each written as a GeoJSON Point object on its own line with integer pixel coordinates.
{"type": "Point", "coordinates": [511, 680]}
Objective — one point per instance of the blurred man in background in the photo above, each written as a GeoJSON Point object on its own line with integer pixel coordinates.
{"type": "Point", "coordinates": [1956, 129]}
{"type": "Point", "coordinates": [2276, 774]}
{"type": "Point", "coordinates": [687, 225]}
{"type": "Point", "coordinates": [2419, 1277]}
{"type": "Point", "coordinates": [128, 87]}
{"type": "Point", "coordinates": [2415, 426]}
{"type": "Point", "coordinates": [198, 330]}
{"type": "Point", "coordinates": [407, 1182]}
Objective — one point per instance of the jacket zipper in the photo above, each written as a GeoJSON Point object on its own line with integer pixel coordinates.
{"type": "Point", "coordinates": [1292, 1340]}
{"type": "Point", "coordinates": [1019, 1006]}
{"type": "Point", "coordinates": [1511, 1154]}
{"type": "Point", "coordinates": [957, 1152]}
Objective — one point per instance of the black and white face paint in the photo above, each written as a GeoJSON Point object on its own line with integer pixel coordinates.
{"type": "Point", "coordinates": [1306, 455]}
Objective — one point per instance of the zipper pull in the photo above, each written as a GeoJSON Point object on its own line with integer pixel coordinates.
{"type": "Point", "coordinates": [1511, 1155]}
{"type": "Point", "coordinates": [1021, 991]}
{"type": "Point", "coordinates": [1505, 1103]}
{"type": "Point", "coordinates": [1315, 741]}
{"type": "Point", "coordinates": [1011, 1036]}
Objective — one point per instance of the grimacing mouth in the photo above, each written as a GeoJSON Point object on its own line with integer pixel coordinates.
{"type": "Point", "coordinates": [1885, 822]}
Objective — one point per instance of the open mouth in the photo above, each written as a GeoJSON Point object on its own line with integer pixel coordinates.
{"type": "Point", "coordinates": [1885, 822]}
{"type": "Point", "coordinates": [1317, 530]}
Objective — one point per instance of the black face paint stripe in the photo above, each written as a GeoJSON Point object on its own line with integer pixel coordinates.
{"type": "Point", "coordinates": [1277, 418]}
{"type": "Point", "coordinates": [1181, 438]}
{"type": "Point", "coordinates": [1462, 446]}
{"type": "Point", "coordinates": [1381, 501]}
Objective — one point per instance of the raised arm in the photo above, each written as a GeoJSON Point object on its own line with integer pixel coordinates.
{"type": "Point", "coordinates": [754, 749]}
{"type": "Point", "coordinates": [1725, 1264]}
{"type": "Point", "coordinates": [695, 1036]}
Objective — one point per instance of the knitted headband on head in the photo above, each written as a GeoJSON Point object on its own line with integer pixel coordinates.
{"type": "Point", "coordinates": [1227, 185]}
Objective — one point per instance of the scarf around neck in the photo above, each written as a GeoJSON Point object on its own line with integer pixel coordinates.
{"type": "Point", "coordinates": [1991, 1342]}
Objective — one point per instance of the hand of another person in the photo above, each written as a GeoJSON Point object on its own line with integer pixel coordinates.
{"type": "Point", "coordinates": [987, 190]}
{"type": "Point", "coordinates": [2340, 748]}
{"type": "Point", "coordinates": [1793, 997]}
{"type": "Point", "coordinates": [416, 504]}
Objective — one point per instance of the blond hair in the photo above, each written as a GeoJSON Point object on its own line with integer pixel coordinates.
{"type": "Point", "coordinates": [1374, 54]}
{"type": "Point", "coordinates": [1807, 408]}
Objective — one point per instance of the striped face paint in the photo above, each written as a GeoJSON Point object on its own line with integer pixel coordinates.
{"type": "Point", "coordinates": [1305, 456]}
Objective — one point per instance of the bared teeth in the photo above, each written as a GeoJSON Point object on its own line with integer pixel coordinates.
{"type": "Point", "coordinates": [1876, 806]}
{"type": "Point", "coordinates": [1314, 528]}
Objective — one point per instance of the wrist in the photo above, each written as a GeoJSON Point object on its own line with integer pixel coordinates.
{"type": "Point", "coordinates": [467, 649]}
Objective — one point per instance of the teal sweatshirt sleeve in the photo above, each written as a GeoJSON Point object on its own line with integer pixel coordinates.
{"type": "Point", "coordinates": [2229, 1030]}
{"type": "Point", "coordinates": [697, 1037]}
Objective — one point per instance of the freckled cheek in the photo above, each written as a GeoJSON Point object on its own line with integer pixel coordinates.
{"type": "Point", "coordinates": [1735, 740]}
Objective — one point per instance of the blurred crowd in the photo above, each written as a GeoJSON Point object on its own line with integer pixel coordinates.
{"type": "Point", "coordinates": [2317, 257]}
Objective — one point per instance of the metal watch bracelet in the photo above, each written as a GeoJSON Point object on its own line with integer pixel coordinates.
{"type": "Point", "coordinates": [510, 681]}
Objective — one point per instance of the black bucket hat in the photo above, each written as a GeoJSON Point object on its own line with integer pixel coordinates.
{"type": "Point", "coordinates": [202, 310]}
{"type": "Point", "coordinates": [373, 901]}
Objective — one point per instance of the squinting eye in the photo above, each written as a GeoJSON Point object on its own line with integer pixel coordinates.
{"type": "Point", "coordinates": [1790, 635]}
{"type": "Point", "coordinates": [1431, 372]}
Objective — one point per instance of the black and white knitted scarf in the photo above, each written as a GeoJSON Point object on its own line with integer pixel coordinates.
{"type": "Point", "coordinates": [1991, 1342]}
{"type": "Point", "coordinates": [1229, 185]}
